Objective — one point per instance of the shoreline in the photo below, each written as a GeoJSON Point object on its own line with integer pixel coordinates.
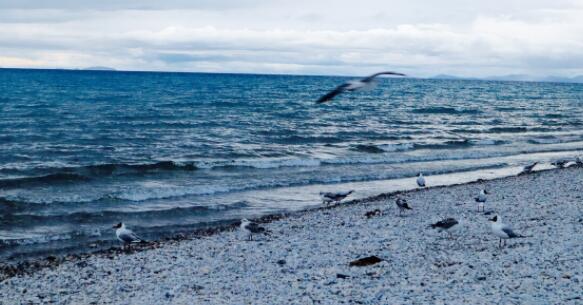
{"type": "Point", "coordinates": [28, 266]}
{"type": "Point", "coordinates": [323, 218]}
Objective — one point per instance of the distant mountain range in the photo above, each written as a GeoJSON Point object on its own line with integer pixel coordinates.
{"type": "Point", "coordinates": [99, 68]}
{"type": "Point", "coordinates": [517, 77]}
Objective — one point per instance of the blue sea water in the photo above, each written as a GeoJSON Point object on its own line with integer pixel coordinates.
{"type": "Point", "coordinates": [169, 152]}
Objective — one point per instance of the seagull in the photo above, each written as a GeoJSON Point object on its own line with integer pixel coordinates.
{"type": "Point", "coordinates": [251, 228]}
{"type": "Point", "coordinates": [125, 235]}
{"type": "Point", "coordinates": [403, 205]}
{"type": "Point", "coordinates": [528, 169]}
{"type": "Point", "coordinates": [503, 231]}
{"type": "Point", "coordinates": [560, 163]}
{"type": "Point", "coordinates": [329, 197]}
{"type": "Point", "coordinates": [353, 85]}
{"type": "Point", "coordinates": [445, 225]}
{"type": "Point", "coordinates": [420, 180]}
{"type": "Point", "coordinates": [481, 199]}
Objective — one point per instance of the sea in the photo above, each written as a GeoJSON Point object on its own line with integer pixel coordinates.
{"type": "Point", "coordinates": [168, 153]}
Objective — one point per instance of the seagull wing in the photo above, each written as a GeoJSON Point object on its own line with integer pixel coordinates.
{"type": "Point", "coordinates": [255, 228]}
{"type": "Point", "coordinates": [327, 195]}
{"type": "Point", "coordinates": [509, 232]}
{"type": "Point", "coordinates": [371, 77]}
{"type": "Point", "coordinates": [344, 193]}
{"type": "Point", "coordinates": [330, 95]}
{"type": "Point", "coordinates": [130, 237]}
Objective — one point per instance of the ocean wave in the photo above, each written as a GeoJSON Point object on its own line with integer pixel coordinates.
{"type": "Point", "coordinates": [46, 179]}
{"type": "Point", "coordinates": [71, 174]}
{"type": "Point", "coordinates": [382, 148]}
{"type": "Point", "coordinates": [307, 140]}
{"type": "Point", "coordinates": [260, 163]}
{"type": "Point", "coordinates": [507, 130]}
{"type": "Point", "coordinates": [544, 141]}
{"type": "Point", "coordinates": [126, 168]}
{"type": "Point", "coordinates": [445, 110]}
{"type": "Point", "coordinates": [554, 116]}
{"type": "Point", "coordinates": [489, 142]}
{"type": "Point", "coordinates": [368, 148]}
{"type": "Point", "coordinates": [446, 145]}
{"type": "Point", "coordinates": [161, 192]}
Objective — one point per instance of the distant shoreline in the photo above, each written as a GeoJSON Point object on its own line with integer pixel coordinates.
{"type": "Point", "coordinates": [503, 78]}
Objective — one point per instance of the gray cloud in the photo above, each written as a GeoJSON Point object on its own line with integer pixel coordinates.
{"type": "Point", "coordinates": [125, 5]}
{"type": "Point", "coordinates": [458, 37]}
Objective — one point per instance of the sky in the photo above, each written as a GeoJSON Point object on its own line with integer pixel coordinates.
{"type": "Point", "coordinates": [421, 38]}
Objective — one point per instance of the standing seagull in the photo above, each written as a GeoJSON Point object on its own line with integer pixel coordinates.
{"type": "Point", "coordinates": [503, 231]}
{"type": "Point", "coordinates": [481, 199]}
{"type": "Point", "coordinates": [353, 85]}
{"type": "Point", "coordinates": [125, 235]}
{"type": "Point", "coordinates": [528, 169]}
{"type": "Point", "coordinates": [251, 228]}
{"type": "Point", "coordinates": [420, 180]}
{"type": "Point", "coordinates": [329, 197]}
{"type": "Point", "coordinates": [403, 205]}
{"type": "Point", "coordinates": [445, 225]}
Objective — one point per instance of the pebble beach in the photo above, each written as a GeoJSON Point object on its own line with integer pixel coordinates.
{"type": "Point", "coordinates": [306, 258]}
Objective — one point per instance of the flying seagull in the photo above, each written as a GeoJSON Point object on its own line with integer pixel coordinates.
{"type": "Point", "coordinates": [251, 228]}
{"type": "Point", "coordinates": [445, 225]}
{"type": "Point", "coordinates": [528, 169]}
{"type": "Point", "coordinates": [503, 231]}
{"type": "Point", "coordinates": [481, 199]}
{"type": "Point", "coordinates": [420, 180]}
{"type": "Point", "coordinates": [353, 85]}
{"type": "Point", "coordinates": [330, 197]}
{"type": "Point", "coordinates": [125, 235]}
{"type": "Point", "coordinates": [403, 205]}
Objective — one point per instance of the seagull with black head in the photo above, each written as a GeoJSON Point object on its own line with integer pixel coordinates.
{"type": "Point", "coordinates": [125, 235]}
{"type": "Point", "coordinates": [502, 231]}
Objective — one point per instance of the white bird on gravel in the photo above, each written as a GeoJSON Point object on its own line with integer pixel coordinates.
{"type": "Point", "coordinates": [250, 228]}
{"type": "Point", "coordinates": [420, 180]}
{"type": "Point", "coordinates": [503, 231]}
{"type": "Point", "coordinates": [481, 199]}
{"type": "Point", "coordinates": [125, 235]}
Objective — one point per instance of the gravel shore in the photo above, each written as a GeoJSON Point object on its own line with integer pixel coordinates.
{"type": "Point", "coordinates": [306, 258]}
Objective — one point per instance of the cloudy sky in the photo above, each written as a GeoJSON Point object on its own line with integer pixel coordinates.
{"type": "Point", "coordinates": [421, 38]}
